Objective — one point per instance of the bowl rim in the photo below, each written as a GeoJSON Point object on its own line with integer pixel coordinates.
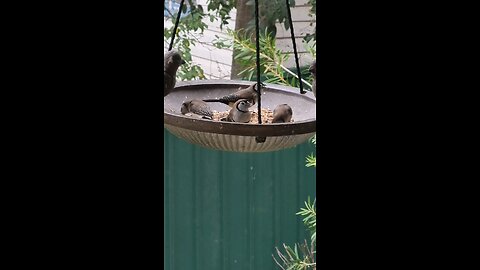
{"type": "Point", "coordinates": [240, 129]}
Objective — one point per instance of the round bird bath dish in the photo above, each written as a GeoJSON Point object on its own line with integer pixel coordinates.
{"type": "Point", "coordinates": [239, 137]}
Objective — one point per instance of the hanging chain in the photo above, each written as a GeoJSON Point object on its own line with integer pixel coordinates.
{"type": "Point", "coordinates": [292, 33]}
{"type": "Point", "coordinates": [176, 25]}
{"type": "Point", "coordinates": [257, 43]}
{"type": "Point", "coordinates": [258, 139]}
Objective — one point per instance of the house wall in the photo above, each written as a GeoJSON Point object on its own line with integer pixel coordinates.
{"type": "Point", "coordinates": [217, 62]}
{"type": "Point", "coordinates": [303, 25]}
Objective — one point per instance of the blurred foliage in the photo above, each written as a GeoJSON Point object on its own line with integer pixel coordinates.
{"type": "Point", "coordinates": [291, 258]}
{"type": "Point", "coordinates": [309, 214]}
{"type": "Point", "coordinates": [301, 256]}
{"type": "Point", "coordinates": [221, 8]}
{"type": "Point", "coordinates": [312, 159]}
{"type": "Point", "coordinates": [271, 12]}
{"type": "Point", "coordinates": [312, 13]}
{"type": "Point", "coordinates": [219, 11]}
{"type": "Point", "coordinates": [272, 60]}
{"type": "Point", "coordinates": [275, 11]}
{"type": "Point", "coordinates": [185, 38]}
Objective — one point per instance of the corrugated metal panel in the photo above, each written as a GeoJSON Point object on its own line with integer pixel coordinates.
{"type": "Point", "coordinates": [229, 210]}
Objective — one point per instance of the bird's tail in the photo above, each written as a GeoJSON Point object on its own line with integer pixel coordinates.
{"type": "Point", "coordinates": [212, 100]}
{"type": "Point", "coordinates": [216, 100]}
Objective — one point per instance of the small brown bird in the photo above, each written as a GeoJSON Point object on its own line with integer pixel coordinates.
{"type": "Point", "coordinates": [282, 114]}
{"type": "Point", "coordinates": [171, 61]}
{"type": "Point", "coordinates": [313, 70]}
{"type": "Point", "coordinates": [197, 107]}
{"type": "Point", "coordinates": [250, 94]}
{"type": "Point", "coordinates": [240, 113]}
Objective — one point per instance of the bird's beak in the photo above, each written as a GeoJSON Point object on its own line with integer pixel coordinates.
{"type": "Point", "coordinates": [183, 62]}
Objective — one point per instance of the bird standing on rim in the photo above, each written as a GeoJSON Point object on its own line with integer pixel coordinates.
{"type": "Point", "coordinates": [171, 61]}
{"type": "Point", "coordinates": [250, 94]}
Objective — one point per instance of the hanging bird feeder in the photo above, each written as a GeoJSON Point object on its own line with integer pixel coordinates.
{"type": "Point", "coordinates": [242, 137]}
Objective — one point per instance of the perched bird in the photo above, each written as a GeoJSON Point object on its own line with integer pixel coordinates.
{"type": "Point", "coordinates": [239, 112]}
{"type": "Point", "coordinates": [197, 107]}
{"type": "Point", "coordinates": [171, 61]}
{"type": "Point", "coordinates": [250, 94]}
{"type": "Point", "coordinates": [282, 114]}
{"type": "Point", "coordinates": [313, 70]}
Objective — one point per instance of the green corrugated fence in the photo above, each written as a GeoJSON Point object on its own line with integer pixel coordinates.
{"type": "Point", "coordinates": [227, 211]}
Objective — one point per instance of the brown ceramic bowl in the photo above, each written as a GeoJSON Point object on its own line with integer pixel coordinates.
{"type": "Point", "coordinates": [240, 137]}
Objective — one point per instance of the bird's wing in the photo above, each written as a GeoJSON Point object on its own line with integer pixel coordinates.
{"type": "Point", "coordinates": [201, 109]}
{"type": "Point", "coordinates": [229, 98]}
{"type": "Point", "coordinates": [169, 80]}
{"type": "Point", "coordinates": [230, 116]}
{"type": "Point", "coordinates": [245, 93]}
{"type": "Point", "coordinates": [234, 97]}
